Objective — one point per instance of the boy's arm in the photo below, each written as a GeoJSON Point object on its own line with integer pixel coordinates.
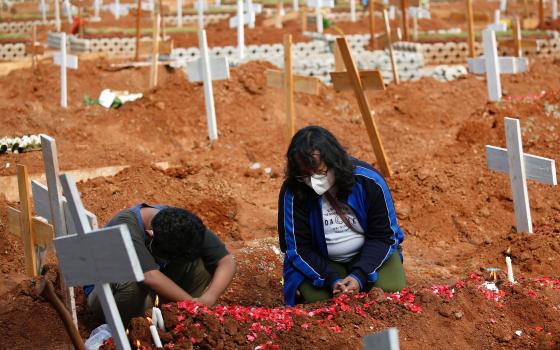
{"type": "Point", "coordinates": [164, 286]}
{"type": "Point", "coordinates": [223, 276]}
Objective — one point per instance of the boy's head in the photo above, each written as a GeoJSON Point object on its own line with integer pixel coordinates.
{"type": "Point", "coordinates": [178, 233]}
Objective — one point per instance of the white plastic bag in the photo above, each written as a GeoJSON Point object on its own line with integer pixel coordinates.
{"type": "Point", "coordinates": [97, 337]}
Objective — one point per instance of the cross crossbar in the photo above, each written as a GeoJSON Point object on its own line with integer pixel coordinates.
{"type": "Point", "coordinates": [304, 84]}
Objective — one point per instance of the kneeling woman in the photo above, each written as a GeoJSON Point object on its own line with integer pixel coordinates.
{"type": "Point", "coordinates": [336, 223]}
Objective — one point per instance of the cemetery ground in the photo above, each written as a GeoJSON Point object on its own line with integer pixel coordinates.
{"type": "Point", "coordinates": [458, 216]}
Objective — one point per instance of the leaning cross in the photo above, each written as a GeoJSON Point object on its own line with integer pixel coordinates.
{"type": "Point", "coordinates": [64, 61]}
{"type": "Point", "coordinates": [206, 69]}
{"type": "Point", "coordinates": [360, 81]}
{"type": "Point", "coordinates": [520, 167]}
{"type": "Point", "coordinates": [291, 83]}
{"type": "Point", "coordinates": [35, 234]}
{"type": "Point", "coordinates": [493, 65]}
{"type": "Point", "coordinates": [97, 257]}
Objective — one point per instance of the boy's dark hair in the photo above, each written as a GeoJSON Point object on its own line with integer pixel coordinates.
{"type": "Point", "coordinates": [178, 233]}
{"type": "Point", "coordinates": [316, 138]}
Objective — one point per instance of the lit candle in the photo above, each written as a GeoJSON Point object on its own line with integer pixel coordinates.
{"type": "Point", "coordinates": [155, 335]}
{"type": "Point", "coordinates": [137, 344]}
{"type": "Point", "coordinates": [509, 270]}
{"type": "Point", "coordinates": [157, 317]}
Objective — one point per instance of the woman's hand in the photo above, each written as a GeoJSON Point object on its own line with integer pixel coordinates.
{"type": "Point", "coordinates": [348, 285]}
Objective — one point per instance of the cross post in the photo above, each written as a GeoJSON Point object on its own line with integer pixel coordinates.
{"type": "Point", "coordinates": [206, 69]}
{"type": "Point", "coordinates": [493, 65]}
{"type": "Point", "coordinates": [64, 61]}
{"type": "Point", "coordinates": [394, 67]}
{"type": "Point", "coordinates": [98, 257]}
{"type": "Point", "coordinates": [355, 80]}
{"type": "Point", "coordinates": [385, 340]}
{"type": "Point", "coordinates": [520, 167]}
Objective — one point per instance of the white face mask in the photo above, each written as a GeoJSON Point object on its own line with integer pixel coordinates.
{"type": "Point", "coordinates": [320, 183]}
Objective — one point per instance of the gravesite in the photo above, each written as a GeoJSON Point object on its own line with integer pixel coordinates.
{"type": "Point", "coordinates": [279, 174]}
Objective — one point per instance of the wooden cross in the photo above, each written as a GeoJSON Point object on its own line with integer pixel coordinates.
{"type": "Point", "coordinates": [385, 340]}
{"type": "Point", "coordinates": [517, 43]}
{"type": "Point", "coordinates": [360, 81]}
{"type": "Point", "coordinates": [470, 29]}
{"type": "Point", "coordinates": [493, 65]}
{"type": "Point", "coordinates": [64, 61]}
{"type": "Point", "coordinates": [35, 234]}
{"type": "Point", "coordinates": [281, 16]}
{"type": "Point", "coordinates": [97, 257]}
{"type": "Point", "coordinates": [520, 167]}
{"type": "Point", "coordinates": [35, 48]}
{"type": "Point", "coordinates": [291, 83]}
{"type": "Point", "coordinates": [396, 79]}
{"type": "Point", "coordinates": [206, 69]}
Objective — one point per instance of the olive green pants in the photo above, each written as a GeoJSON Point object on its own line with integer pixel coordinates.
{"type": "Point", "coordinates": [133, 298]}
{"type": "Point", "coordinates": [390, 278]}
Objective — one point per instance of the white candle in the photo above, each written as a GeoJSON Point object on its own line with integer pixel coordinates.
{"type": "Point", "coordinates": [509, 270]}
{"type": "Point", "coordinates": [154, 316]}
{"type": "Point", "coordinates": [160, 319]}
{"type": "Point", "coordinates": [155, 336]}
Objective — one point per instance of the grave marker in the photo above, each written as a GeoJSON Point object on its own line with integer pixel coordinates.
{"type": "Point", "coordinates": [417, 13]}
{"type": "Point", "coordinates": [200, 6]}
{"type": "Point", "coordinates": [64, 61]}
{"type": "Point", "coordinates": [180, 13]}
{"type": "Point", "coordinates": [35, 48]}
{"type": "Point", "coordinates": [385, 340]}
{"type": "Point", "coordinates": [554, 10]}
{"type": "Point", "coordinates": [57, 15]}
{"type": "Point", "coordinates": [291, 83]}
{"type": "Point", "coordinates": [155, 51]}
{"type": "Point", "coordinates": [497, 26]}
{"type": "Point", "coordinates": [391, 51]}
{"type": "Point", "coordinates": [404, 14]}
{"type": "Point", "coordinates": [503, 6]}
{"type": "Point", "coordinates": [206, 69]}
{"type": "Point", "coordinates": [240, 32]}
{"type": "Point", "coordinates": [520, 167]}
{"type": "Point", "coordinates": [98, 257]}
{"type": "Point", "coordinates": [470, 29]}
{"type": "Point", "coordinates": [493, 65]}
{"type": "Point", "coordinates": [68, 9]}
{"type": "Point", "coordinates": [43, 7]}
{"type": "Point", "coordinates": [352, 10]}
{"type": "Point", "coordinates": [358, 87]}
{"type": "Point", "coordinates": [318, 5]}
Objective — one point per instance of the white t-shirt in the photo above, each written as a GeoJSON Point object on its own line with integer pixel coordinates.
{"type": "Point", "coordinates": [342, 242]}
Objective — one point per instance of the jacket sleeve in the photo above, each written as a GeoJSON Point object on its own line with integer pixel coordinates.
{"type": "Point", "coordinates": [296, 241]}
{"type": "Point", "coordinates": [382, 236]}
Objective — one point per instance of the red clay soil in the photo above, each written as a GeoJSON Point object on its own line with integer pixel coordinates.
{"type": "Point", "coordinates": [458, 216]}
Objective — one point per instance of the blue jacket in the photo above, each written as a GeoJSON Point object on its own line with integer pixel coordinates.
{"type": "Point", "coordinates": [302, 238]}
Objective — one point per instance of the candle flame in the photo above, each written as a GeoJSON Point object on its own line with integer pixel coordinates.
{"type": "Point", "coordinates": [149, 320]}
{"type": "Point", "coordinates": [126, 332]}
{"type": "Point", "coordinates": [508, 251]}
{"type": "Point", "coordinates": [157, 300]}
{"type": "Point", "coordinates": [138, 343]}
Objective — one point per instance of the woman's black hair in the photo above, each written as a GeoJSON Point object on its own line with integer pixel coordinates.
{"type": "Point", "coordinates": [303, 144]}
{"type": "Point", "coordinates": [178, 233]}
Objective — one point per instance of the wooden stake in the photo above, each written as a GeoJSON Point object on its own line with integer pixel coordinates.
{"type": "Point", "coordinates": [138, 14]}
{"type": "Point", "coordinates": [404, 9]}
{"type": "Point", "coordinates": [364, 107]}
{"type": "Point", "coordinates": [396, 79]}
{"type": "Point", "coordinates": [338, 62]}
{"type": "Point", "coordinates": [470, 29]}
{"type": "Point", "coordinates": [289, 88]}
{"type": "Point", "coordinates": [155, 54]}
{"type": "Point", "coordinates": [26, 235]}
{"type": "Point", "coordinates": [371, 9]}
{"type": "Point", "coordinates": [517, 37]}
{"type": "Point", "coordinates": [541, 14]}
{"type": "Point", "coordinates": [162, 22]}
{"type": "Point", "coordinates": [34, 39]}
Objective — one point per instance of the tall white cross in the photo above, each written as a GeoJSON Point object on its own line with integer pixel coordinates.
{"type": "Point", "coordinates": [68, 9]}
{"type": "Point", "coordinates": [240, 31]}
{"type": "Point", "coordinates": [554, 10]}
{"type": "Point", "coordinates": [98, 257]}
{"type": "Point", "coordinates": [200, 6]}
{"type": "Point", "coordinates": [318, 5]}
{"type": "Point", "coordinates": [57, 16]}
{"type": "Point", "coordinates": [493, 65]}
{"type": "Point", "coordinates": [352, 10]}
{"type": "Point", "coordinates": [64, 61]}
{"type": "Point", "coordinates": [503, 5]}
{"type": "Point", "coordinates": [497, 26]}
{"type": "Point", "coordinates": [179, 13]}
{"type": "Point", "coordinates": [206, 69]}
{"type": "Point", "coordinates": [520, 167]}
{"type": "Point", "coordinates": [43, 7]}
{"type": "Point", "coordinates": [252, 10]}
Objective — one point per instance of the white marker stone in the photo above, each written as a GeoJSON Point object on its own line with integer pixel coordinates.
{"type": "Point", "coordinates": [520, 167]}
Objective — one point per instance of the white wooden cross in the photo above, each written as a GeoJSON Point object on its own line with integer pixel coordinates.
{"type": "Point", "coordinates": [96, 8]}
{"type": "Point", "coordinates": [554, 10]}
{"type": "Point", "coordinates": [206, 69]}
{"type": "Point", "coordinates": [117, 10]}
{"type": "Point", "coordinates": [64, 61]}
{"type": "Point", "coordinates": [240, 30]}
{"type": "Point", "coordinates": [520, 167]}
{"type": "Point", "coordinates": [493, 65]}
{"type": "Point", "coordinates": [97, 257]}
{"type": "Point", "coordinates": [43, 7]}
{"type": "Point", "coordinates": [68, 9]}
{"type": "Point", "coordinates": [200, 6]}
{"type": "Point", "coordinates": [179, 13]}
{"type": "Point", "coordinates": [318, 5]}
{"type": "Point", "coordinates": [352, 10]}
{"type": "Point", "coordinates": [503, 5]}
{"type": "Point", "coordinates": [57, 16]}
{"type": "Point", "coordinates": [385, 340]}
{"type": "Point", "coordinates": [497, 26]}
